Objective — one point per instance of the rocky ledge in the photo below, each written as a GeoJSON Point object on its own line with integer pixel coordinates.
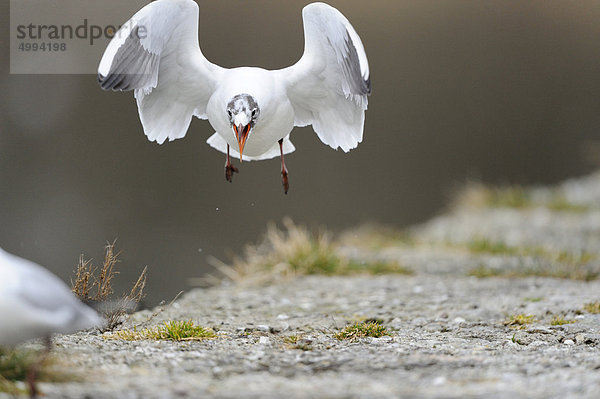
{"type": "Point", "coordinates": [500, 305]}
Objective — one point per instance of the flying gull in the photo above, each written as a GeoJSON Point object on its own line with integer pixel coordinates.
{"type": "Point", "coordinates": [253, 110]}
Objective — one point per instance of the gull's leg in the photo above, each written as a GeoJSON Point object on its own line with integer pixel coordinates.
{"type": "Point", "coordinates": [229, 168]}
{"type": "Point", "coordinates": [32, 373]}
{"type": "Point", "coordinates": [284, 172]}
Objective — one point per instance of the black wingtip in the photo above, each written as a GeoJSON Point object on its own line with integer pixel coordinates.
{"type": "Point", "coordinates": [118, 81]}
{"type": "Point", "coordinates": [101, 81]}
{"type": "Point", "coordinates": [368, 85]}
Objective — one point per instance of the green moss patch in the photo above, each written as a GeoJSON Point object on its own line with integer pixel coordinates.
{"type": "Point", "coordinates": [560, 320]}
{"type": "Point", "coordinates": [519, 321]}
{"type": "Point", "coordinates": [362, 330]}
{"type": "Point", "coordinates": [170, 331]}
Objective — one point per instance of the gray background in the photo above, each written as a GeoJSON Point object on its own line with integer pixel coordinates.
{"type": "Point", "coordinates": [499, 91]}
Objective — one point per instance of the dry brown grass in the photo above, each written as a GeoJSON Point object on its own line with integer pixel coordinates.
{"type": "Point", "coordinates": [377, 237]}
{"type": "Point", "coordinates": [296, 251]}
{"type": "Point", "coordinates": [95, 285]}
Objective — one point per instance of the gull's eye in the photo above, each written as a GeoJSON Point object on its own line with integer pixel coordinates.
{"type": "Point", "coordinates": [254, 112]}
{"type": "Point", "coordinates": [229, 114]}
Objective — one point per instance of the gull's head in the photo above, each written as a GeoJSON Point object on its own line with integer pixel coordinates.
{"type": "Point", "coordinates": [242, 112]}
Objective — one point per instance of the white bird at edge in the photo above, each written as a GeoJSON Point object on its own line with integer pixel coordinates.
{"type": "Point", "coordinates": [157, 54]}
{"type": "Point", "coordinates": [34, 303]}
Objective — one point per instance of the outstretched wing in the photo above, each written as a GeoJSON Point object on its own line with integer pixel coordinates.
{"type": "Point", "coordinates": [156, 53]}
{"type": "Point", "coordinates": [329, 85]}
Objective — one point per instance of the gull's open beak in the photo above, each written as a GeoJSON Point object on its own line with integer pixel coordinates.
{"type": "Point", "coordinates": [241, 134]}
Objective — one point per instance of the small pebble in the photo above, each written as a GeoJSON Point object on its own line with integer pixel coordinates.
{"type": "Point", "coordinates": [568, 342]}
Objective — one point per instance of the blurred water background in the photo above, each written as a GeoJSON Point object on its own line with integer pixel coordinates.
{"type": "Point", "coordinates": [497, 91]}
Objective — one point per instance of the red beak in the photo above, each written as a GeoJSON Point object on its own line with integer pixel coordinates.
{"type": "Point", "coordinates": [241, 134]}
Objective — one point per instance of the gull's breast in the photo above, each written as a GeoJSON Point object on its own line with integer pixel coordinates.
{"type": "Point", "coordinates": [273, 125]}
{"type": "Point", "coordinates": [276, 118]}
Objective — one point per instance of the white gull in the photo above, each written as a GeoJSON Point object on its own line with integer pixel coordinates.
{"type": "Point", "coordinates": [34, 303]}
{"type": "Point", "coordinates": [253, 110]}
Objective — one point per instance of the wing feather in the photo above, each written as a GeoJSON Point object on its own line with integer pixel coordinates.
{"type": "Point", "coordinates": [328, 87]}
{"type": "Point", "coordinates": [156, 53]}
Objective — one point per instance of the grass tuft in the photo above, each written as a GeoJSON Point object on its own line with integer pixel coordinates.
{"type": "Point", "coordinates": [169, 331]}
{"type": "Point", "coordinates": [510, 197]}
{"type": "Point", "coordinates": [376, 237]}
{"type": "Point", "coordinates": [482, 245]}
{"type": "Point", "coordinates": [376, 267]}
{"type": "Point", "coordinates": [555, 264]}
{"type": "Point", "coordinates": [563, 271]}
{"type": "Point", "coordinates": [593, 307]}
{"type": "Point", "coordinates": [291, 339]}
{"type": "Point", "coordinates": [294, 251]}
{"type": "Point", "coordinates": [16, 362]}
{"type": "Point", "coordinates": [362, 330]}
{"type": "Point", "coordinates": [519, 321]}
{"type": "Point", "coordinates": [559, 203]}
{"type": "Point", "coordinates": [559, 321]}
{"type": "Point", "coordinates": [477, 195]}
{"type": "Point", "coordinates": [94, 285]}
{"type": "Point", "coordinates": [483, 271]}
{"type": "Point", "coordinates": [533, 299]}
{"type": "Point", "coordinates": [297, 342]}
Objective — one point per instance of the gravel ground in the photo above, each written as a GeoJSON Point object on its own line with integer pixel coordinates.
{"type": "Point", "coordinates": [448, 337]}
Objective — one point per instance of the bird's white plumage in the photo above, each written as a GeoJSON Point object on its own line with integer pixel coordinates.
{"type": "Point", "coordinates": [218, 143]}
{"type": "Point", "coordinates": [329, 85]}
{"type": "Point", "coordinates": [114, 45]}
{"type": "Point", "coordinates": [35, 303]}
{"type": "Point", "coordinates": [327, 88]}
{"type": "Point", "coordinates": [175, 84]}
